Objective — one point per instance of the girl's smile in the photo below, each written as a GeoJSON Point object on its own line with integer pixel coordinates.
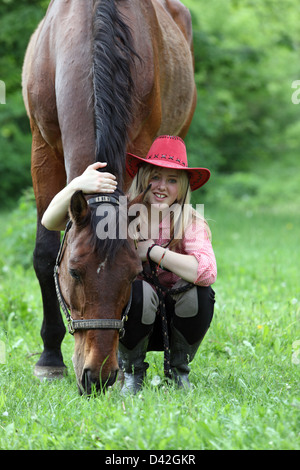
{"type": "Point", "coordinates": [164, 186]}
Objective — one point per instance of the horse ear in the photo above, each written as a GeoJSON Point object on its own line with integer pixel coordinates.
{"type": "Point", "coordinates": [78, 208]}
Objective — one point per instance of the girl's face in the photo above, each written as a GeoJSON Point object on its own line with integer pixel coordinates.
{"type": "Point", "coordinates": [164, 186]}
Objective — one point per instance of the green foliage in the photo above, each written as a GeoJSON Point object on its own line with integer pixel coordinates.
{"type": "Point", "coordinates": [245, 381]}
{"type": "Point", "coordinates": [18, 20]}
{"type": "Point", "coordinates": [19, 231]}
{"type": "Point", "coordinates": [245, 391]}
{"type": "Point", "coordinates": [246, 58]}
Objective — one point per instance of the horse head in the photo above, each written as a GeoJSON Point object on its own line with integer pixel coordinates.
{"type": "Point", "coordinates": [95, 277]}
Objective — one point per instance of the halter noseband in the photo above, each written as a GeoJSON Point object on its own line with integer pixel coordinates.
{"type": "Point", "coordinates": [89, 324]}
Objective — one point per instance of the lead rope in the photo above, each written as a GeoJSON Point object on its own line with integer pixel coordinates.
{"type": "Point", "coordinates": [161, 290]}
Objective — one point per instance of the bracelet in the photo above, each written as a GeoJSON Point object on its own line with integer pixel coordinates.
{"type": "Point", "coordinates": [160, 264]}
{"type": "Point", "coordinates": [148, 251]}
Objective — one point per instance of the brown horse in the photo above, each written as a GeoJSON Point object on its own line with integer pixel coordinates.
{"type": "Point", "coordinates": [100, 77]}
{"type": "Point", "coordinates": [93, 277]}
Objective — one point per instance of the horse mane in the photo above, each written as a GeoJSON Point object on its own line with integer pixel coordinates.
{"type": "Point", "coordinates": [113, 85]}
{"type": "Point", "coordinates": [108, 246]}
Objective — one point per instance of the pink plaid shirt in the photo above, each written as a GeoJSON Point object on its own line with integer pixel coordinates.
{"type": "Point", "coordinates": [195, 242]}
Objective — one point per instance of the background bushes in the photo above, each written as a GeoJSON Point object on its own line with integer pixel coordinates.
{"type": "Point", "coordinates": [246, 58]}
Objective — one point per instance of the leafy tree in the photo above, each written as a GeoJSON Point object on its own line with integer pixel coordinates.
{"type": "Point", "coordinates": [246, 58]}
{"type": "Point", "coordinates": [18, 20]}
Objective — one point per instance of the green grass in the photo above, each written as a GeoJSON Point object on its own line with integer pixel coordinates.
{"type": "Point", "coordinates": [245, 377]}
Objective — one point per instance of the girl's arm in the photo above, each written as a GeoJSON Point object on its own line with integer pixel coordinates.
{"type": "Point", "coordinates": [198, 266]}
{"type": "Point", "coordinates": [184, 266]}
{"type": "Point", "coordinates": [91, 181]}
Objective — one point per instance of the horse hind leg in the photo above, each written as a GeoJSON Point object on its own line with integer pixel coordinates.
{"type": "Point", "coordinates": [48, 177]}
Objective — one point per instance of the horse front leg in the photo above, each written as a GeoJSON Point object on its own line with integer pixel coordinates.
{"type": "Point", "coordinates": [48, 176]}
{"type": "Point", "coordinates": [50, 363]}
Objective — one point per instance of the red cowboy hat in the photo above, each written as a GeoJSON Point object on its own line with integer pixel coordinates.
{"type": "Point", "coordinates": [169, 152]}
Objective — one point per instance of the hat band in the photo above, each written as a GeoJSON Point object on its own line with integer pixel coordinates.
{"type": "Point", "coordinates": [162, 157]}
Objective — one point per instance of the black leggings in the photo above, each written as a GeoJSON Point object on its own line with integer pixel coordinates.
{"type": "Point", "coordinates": [193, 328]}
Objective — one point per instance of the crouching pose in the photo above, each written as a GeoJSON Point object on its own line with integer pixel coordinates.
{"type": "Point", "coordinates": [176, 240]}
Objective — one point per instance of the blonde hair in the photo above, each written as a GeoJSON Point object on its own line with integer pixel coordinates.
{"type": "Point", "coordinates": [180, 221]}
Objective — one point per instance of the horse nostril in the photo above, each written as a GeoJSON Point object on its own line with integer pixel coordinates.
{"type": "Point", "coordinates": [87, 381]}
{"type": "Point", "coordinates": [112, 378]}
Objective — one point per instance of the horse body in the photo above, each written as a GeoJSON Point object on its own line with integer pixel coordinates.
{"type": "Point", "coordinates": [100, 77]}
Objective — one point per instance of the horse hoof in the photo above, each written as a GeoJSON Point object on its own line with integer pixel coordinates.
{"type": "Point", "coordinates": [50, 373]}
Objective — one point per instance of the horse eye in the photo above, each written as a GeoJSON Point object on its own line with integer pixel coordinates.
{"type": "Point", "coordinates": [74, 274]}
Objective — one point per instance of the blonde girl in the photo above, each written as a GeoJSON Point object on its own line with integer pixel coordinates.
{"type": "Point", "coordinates": [183, 253]}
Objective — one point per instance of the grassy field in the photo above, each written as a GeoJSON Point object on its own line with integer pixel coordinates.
{"type": "Point", "coordinates": [245, 377]}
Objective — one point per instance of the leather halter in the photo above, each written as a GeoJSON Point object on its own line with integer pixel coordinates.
{"type": "Point", "coordinates": [89, 324]}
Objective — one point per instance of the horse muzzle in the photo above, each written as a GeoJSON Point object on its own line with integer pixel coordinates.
{"type": "Point", "coordinates": [92, 382]}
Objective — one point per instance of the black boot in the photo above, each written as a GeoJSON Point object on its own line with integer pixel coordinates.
{"type": "Point", "coordinates": [133, 365]}
{"type": "Point", "coordinates": [181, 353]}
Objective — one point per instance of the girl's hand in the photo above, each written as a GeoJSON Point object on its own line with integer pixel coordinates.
{"type": "Point", "coordinates": [93, 181]}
